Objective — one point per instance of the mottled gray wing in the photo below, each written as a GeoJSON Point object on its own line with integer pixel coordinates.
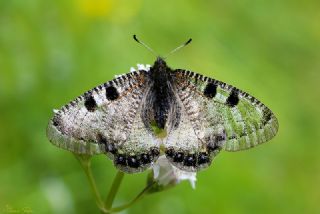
{"type": "Point", "coordinates": [215, 116]}
{"type": "Point", "coordinates": [107, 120]}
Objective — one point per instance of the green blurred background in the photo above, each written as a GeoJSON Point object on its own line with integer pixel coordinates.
{"type": "Point", "coordinates": [53, 51]}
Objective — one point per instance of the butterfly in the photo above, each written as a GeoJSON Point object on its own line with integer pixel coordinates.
{"type": "Point", "coordinates": [156, 110]}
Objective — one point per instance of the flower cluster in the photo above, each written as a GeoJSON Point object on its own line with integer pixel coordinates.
{"type": "Point", "coordinates": [166, 174]}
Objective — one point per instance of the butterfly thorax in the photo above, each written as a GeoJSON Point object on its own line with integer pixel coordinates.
{"type": "Point", "coordinates": [161, 97]}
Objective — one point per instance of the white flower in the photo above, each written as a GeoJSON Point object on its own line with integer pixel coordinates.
{"type": "Point", "coordinates": [165, 173]}
{"type": "Point", "coordinates": [143, 67]}
{"type": "Point", "coordinates": [139, 67]}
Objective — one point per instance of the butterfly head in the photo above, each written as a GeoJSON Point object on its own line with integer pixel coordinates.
{"type": "Point", "coordinates": [160, 67]}
{"type": "Point", "coordinates": [160, 63]}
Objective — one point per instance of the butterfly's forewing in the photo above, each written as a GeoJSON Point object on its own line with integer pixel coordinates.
{"type": "Point", "coordinates": [222, 112]}
{"type": "Point", "coordinates": [107, 120]}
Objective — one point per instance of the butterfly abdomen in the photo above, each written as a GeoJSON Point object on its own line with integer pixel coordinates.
{"type": "Point", "coordinates": [162, 93]}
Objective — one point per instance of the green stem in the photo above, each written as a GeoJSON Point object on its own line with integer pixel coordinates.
{"type": "Point", "coordinates": [137, 198]}
{"type": "Point", "coordinates": [85, 162]}
{"type": "Point", "coordinates": [114, 189]}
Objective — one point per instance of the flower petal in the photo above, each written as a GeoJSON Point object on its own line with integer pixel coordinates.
{"type": "Point", "coordinates": [165, 173]}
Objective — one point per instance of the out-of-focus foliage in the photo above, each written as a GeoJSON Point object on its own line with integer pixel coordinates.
{"type": "Point", "coordinates": [52, 51]}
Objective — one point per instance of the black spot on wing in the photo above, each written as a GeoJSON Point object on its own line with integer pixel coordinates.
{"type": "Point", "coordinates": [133, 162]}
{"type": "Point", "coordinates": [101, 140]}
{"type": "Point", "coordinates": [203, 158]}
{"type": "Point", "coordinates": [233, 98]}
{"type": "Point", "coordinates": [136, 161]}
{"type": "Point", "coordinates": [267, 114]}
{"type": "Point", "coordinates": [56, 120]}
{"type": "Point", "coordinates": [211, 90]}
{"type": "Point", "coordinates": [212, 147]}
{"type": "Point", "coordinates": [145, 158]}
{"type": "Point", "coordinates": [90, 103]}
{"type": "Point", "coordinates": [178, 157]}
{"type": "Point", "coordinates": [170, 152]}
{"type": "Point", "coordinates": [121, 160]}
{"type": "Point", "coordinates": [112, 93]}
{"type": "Point", "coordinates": [190, 160]}
{"type": "Point", "coordinates": [108, 146]}
{"type": "Point", "coordinates": [187, 159]}
{"type": "Point", "coordinates": [155, 152]}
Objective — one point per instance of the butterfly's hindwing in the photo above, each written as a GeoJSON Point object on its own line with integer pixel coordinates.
{"type": "Point", "coordinates": [184, 147]}
{"type": "Point", "coordinates": [245, 121]}
{"type": "Point", "coordinates": [193, 144]}
{"type": "Point", "coordinates": [107, 120]}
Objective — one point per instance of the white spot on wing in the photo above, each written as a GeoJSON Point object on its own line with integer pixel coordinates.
{"type": "Point", "coordinates": [221, 97]}
{"type": "Point", "coordinates": [117, 76]}
{"type": "Point", "coordinates": [99, 98]}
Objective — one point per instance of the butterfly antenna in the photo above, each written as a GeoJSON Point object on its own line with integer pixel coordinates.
{"type": "Point", "coordinates": [144, 45]}
{"type": "Point", "coordinates": [178, 48]}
